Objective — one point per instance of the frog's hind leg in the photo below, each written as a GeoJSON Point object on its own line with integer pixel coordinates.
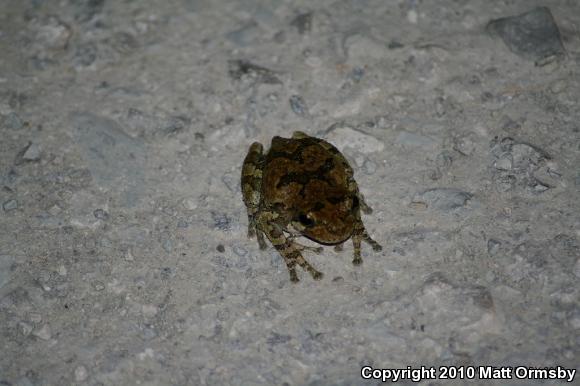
{"type": "Point", "coordinates": [289, 249]}
{"type": "Point", "coordinates": [251, 189]}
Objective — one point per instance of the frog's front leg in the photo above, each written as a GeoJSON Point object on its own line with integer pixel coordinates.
{"type": "Point", "coordinates": [361, 200]}
{"type": "Point", "coordinates": [360, 233]}
{"type": "Point", "coordinates": [251, 189]}
{"type": "Point", "coordinates": [289, 249]}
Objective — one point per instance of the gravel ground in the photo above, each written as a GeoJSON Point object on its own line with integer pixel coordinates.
{"type": "Point", "coordinates": [124, 257]}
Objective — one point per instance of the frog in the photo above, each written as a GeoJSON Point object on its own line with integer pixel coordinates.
{"type": "Point", "coordinates": [303, 187]}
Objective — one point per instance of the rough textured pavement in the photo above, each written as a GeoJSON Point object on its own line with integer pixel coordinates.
{"type": "Point", "coordinates": [123, 250]}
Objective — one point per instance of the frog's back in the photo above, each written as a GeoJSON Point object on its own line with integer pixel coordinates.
{"type": "Point", "coordinates": [299, 171]}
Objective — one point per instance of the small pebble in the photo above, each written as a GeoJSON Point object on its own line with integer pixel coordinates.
{"type": "Point", "coordinates": [369, 167]}
{"type": "Point", "coordinates": [577, 268]}
{"type": "Point", "coordinates": [55, 210]}
{"type": "Point", "coordinates": [575, 319]}
{"type": "Point", "coordinates": [493, 246]}
{"type": "Point", "coordinates": [505, 182]}
{"type": "Point", "coordinates": [101, 214]}
{"type": "Point", "coordinates": [240, 251]}
{"type": "Point", "coordinates": [412, 16]}
{"type": "Point", "coordinates": [559, 86]}
{"type": "Point", "coordinates": [298, 105]}
{"type": "Point", "coordinates": [10, 205]}
{"type": "Point", "coordinates": [149, 310]}
{"type": "Point", "coordinates": [538, 187]}
{"type": "Point", "coordinates": [357, 74]}
{"type": "Point", "coordinates": [406, 138]}
{"type": "Point", "coordinates": [43, 333]}
{"type": "Point", "coordinates": [434, 174]}
{"type": "Point", "coordinates": [35, 317]}
{"type": "Point", "coordinates": [418, 205]}
{"type": "Point", "coordinates": [129, 255]}
{"type": "Point", "coordinates": [395, 44]}
{"type": "Point", "coordinates": [13, 121]}
{"type": "Point", "coordinates": [220, 248]}
{"type": "Point", "coordinates": [508, 124]}
{"type": "Point", "coordinates": [81, 373]}
{"type": "Point", "coordinates": [444, 159]}
{"type": "Point", "coordinates": [32, 153]}
{"type": "Point", "coordinates": [302, 22]}
{"type": "Point", "coordinates": [25, 328]}
{"type": "Point", "coordinates": [167, 245]}
{"type": "Point", "coordinates": [98, 286]}
{"type": "Point", "coordinates": [443, 199]}
{"type": "Point", "coordinates": [504, 163]}
{"type": "Point", "coordinates": [189, 203]}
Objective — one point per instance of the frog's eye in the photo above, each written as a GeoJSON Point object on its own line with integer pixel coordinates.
{"type": "Point", "coordinates": [305, 220]}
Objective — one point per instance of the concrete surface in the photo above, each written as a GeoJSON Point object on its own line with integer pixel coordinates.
{"type": "Point", "coordinates": [123, 250]}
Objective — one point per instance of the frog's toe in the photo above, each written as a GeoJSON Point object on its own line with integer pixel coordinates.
{"type": "Point", "coordinates": [261, 241]}
{"type": "Point", "coordinates": [357, 260]}
{"type": "Point", "coordinates": [302, 247]}
{"type": "Point", "coordinates": [366, 237]}
{"type": "Point", "coordinates": [293, 276]}
{"type": "Point", "coordinates": [317, 275]}
{"type": "Point", "coordinates": [299, 134]}
{"type": "Point", "coordinates": [317, 250]}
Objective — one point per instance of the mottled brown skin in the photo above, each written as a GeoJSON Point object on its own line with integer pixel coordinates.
{"type": "Point", "coordinates": [303, 186]}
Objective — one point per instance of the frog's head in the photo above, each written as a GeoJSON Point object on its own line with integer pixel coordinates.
{"type": "Point", "coordinates": [328, 222]}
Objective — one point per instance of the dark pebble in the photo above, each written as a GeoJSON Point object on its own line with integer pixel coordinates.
{"type": "Point", "coordinates": [302, 22]}
{"type": "Point", "coordinates": [298, 105]}
{"type": "Point", "coordinates": [533, 35]}
{"type": "Point", "coordinates": [241, 68]}
{"type": "Point", "coordinates": [101, 214]}
{"type": "Point", "coordinates": [13, 121]}
{"type": "Point", "coordinates": [10, 205]}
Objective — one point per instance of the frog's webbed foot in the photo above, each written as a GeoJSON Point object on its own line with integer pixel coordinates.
{"type": "Point", "coordinates": [360, 235]}
{"type": "Point", "coordinates": [296, 257]}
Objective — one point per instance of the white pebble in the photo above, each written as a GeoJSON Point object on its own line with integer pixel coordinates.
{"type": "Point", "coordinates": [81, 373]}
{"type": "Point", "coordinates": [577, 268]}
{"type": "Point", "coordinates": [412, 16]}
{"type": "Point", "coordinates": [43, 333]}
